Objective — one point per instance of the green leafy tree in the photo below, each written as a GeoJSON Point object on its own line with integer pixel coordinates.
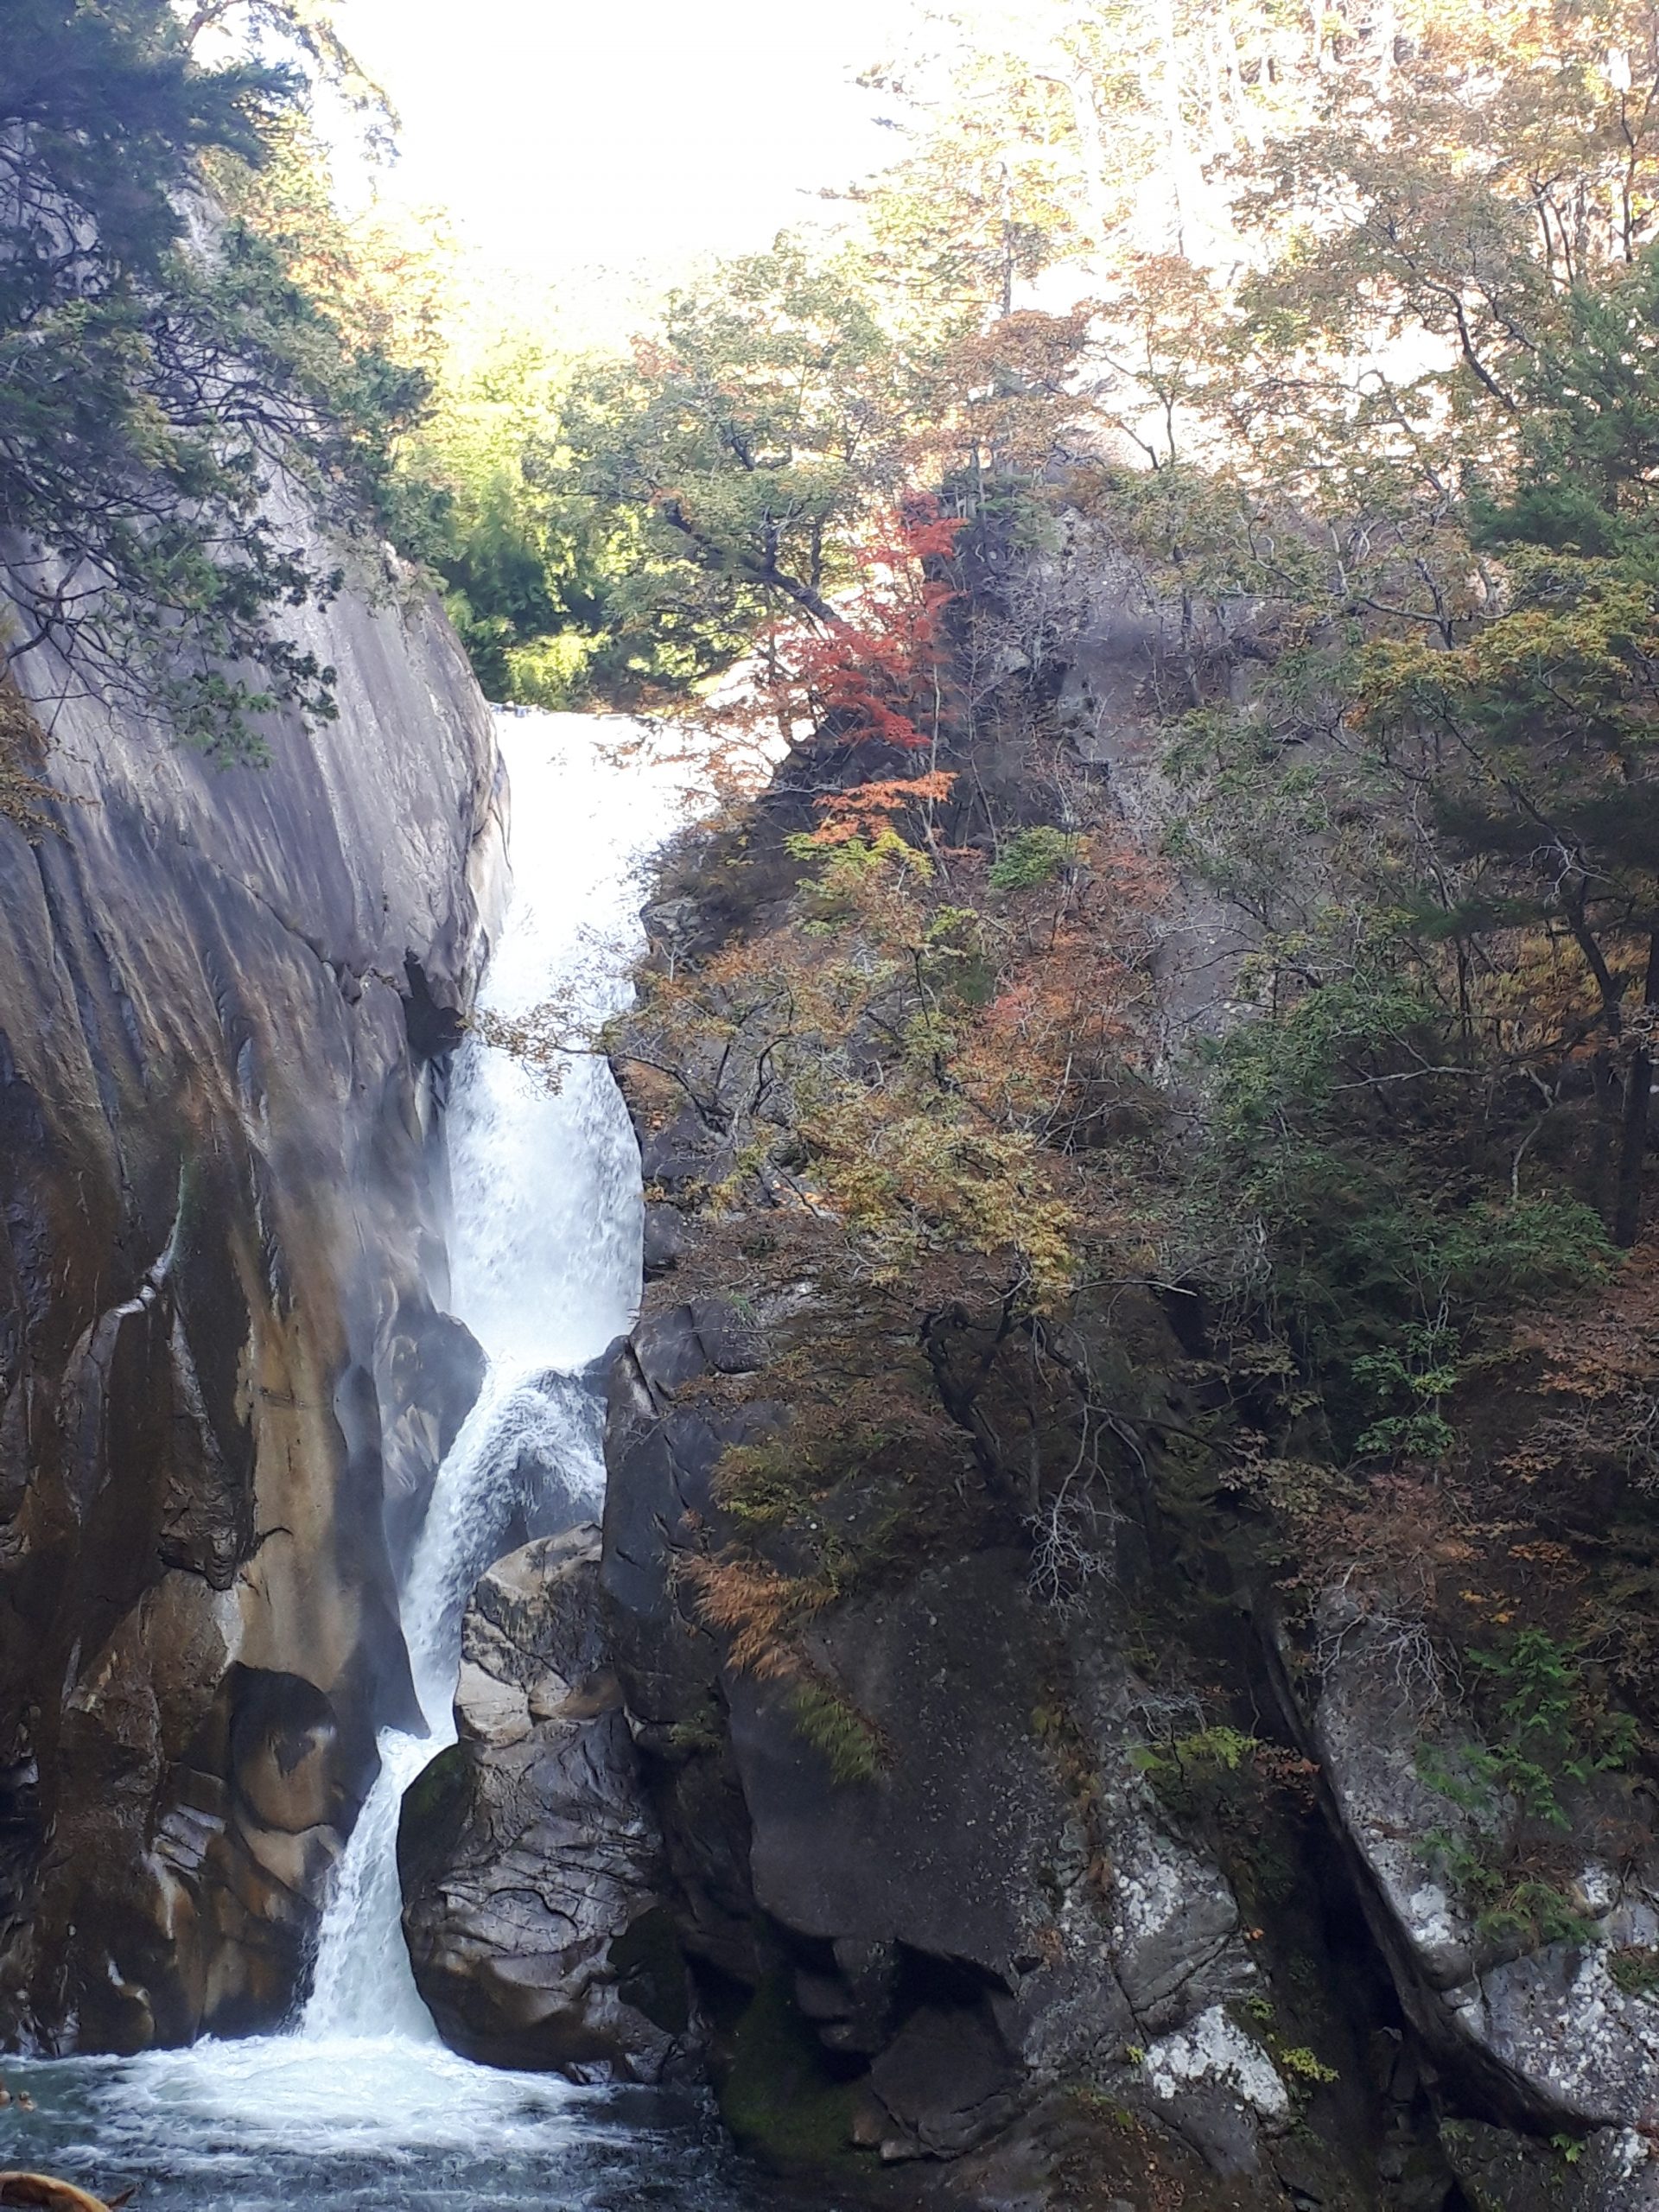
{"type": "Point", "coordinates": [162, 368]}
{"type": "Point", "coordinates": [529, 562]}
{"type": "Point", "coordinates": [746, 438]}
{"type": "Point", "coordinates": [1536, 740]}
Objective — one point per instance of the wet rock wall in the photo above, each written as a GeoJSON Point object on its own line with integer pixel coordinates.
{"type": "Point", "coordinates": [226, 1373]}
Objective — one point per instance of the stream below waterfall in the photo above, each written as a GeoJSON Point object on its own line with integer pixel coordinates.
{"type": "Point", "coordinates": [358, 2103]}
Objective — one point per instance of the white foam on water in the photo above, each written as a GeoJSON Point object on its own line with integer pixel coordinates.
{"type": "Point", "coordinates": [544, 1255]}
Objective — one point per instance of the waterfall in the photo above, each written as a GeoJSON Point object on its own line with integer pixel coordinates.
{"type": "Point", "coordinates": [361, 2106]}
{"type": "Point", "coordinates": [545, 1262]}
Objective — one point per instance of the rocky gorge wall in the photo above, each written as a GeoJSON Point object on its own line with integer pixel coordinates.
{"type": "Point", "coordinates": [963, 1890]}
{"type": "Point", "coordinates": [225, 1375]}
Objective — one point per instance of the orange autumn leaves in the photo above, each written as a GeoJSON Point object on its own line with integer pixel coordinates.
{"type": "Point", "coordinates": [880, 673]}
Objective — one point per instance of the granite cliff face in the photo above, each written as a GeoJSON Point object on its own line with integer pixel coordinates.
{"type": "Point", "coordinates": [226, 1373]}
{"type": "Point", "coordinates": [997, 1889]}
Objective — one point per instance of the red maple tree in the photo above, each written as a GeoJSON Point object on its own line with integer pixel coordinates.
{"type": "Point", "coordinates": [879, 674]}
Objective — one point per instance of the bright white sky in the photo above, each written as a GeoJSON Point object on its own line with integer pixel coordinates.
{"type": "Point", "coordinates": [630, 135]}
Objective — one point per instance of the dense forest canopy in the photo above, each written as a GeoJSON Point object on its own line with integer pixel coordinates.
{"type": "Point", "coordinates": [1312, 352]}
{"type": "Point", "coordinates": [1325, 335]}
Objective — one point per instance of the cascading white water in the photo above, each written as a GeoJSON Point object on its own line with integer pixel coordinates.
{"type": "Point", "coordinates": [361, 2107]}
{"type": "Point", "coordinates": [545, 1271]}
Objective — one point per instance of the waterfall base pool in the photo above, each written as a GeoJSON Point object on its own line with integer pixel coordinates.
{"type": "Point", "coordinates": [294, 2123]}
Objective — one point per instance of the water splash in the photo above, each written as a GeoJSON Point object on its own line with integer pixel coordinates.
{"type": "Point", "coordinates": [545, 1264]}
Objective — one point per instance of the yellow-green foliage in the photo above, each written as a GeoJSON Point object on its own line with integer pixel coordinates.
{"type": "Point", "coordinates": [777, 2098]}
{"type": "Point", "coordinates": [23, 796]}
{"type": "Point", "coordinates": [911, 1184]}
{"type": "Point", "coordinates": [941, 1162]}
{"type": "Point", "coordinates": [827, 1720]}
{"type": "Point", "coordinates": [1305, 2069]}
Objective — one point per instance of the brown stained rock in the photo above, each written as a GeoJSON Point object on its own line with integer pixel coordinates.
{"type": "Point", "coordinates": [51, 2195]}
{"type": "Point", "coordinates": [224, 1383]}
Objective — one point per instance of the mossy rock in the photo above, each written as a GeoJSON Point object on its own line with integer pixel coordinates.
{"type": "Point", "coordinates": [434, 1807]}
{"type": "Point", "coordinates": [777, 2098]}
{"type": "Point", "coordinates": [1499, 2171]}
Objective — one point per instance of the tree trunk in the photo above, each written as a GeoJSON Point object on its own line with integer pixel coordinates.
{"type": "Point", "coordinates": [1174, 127]}
{"type": "Point", "coordinates": [1639, 1089]}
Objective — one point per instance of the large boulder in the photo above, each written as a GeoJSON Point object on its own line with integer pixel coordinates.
{"type": "Point", "coordinates": [531, 1863]}
{"type": "Point", "coordinates": [1561, 2034]}
{"type": "Point", "coordinates": [225, 1378]}
{"type": "Point", "coordinates": [1039, 1917]}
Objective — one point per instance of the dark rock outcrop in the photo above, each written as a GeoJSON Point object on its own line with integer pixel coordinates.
{"type": "Point", "coordinates": [1498, 2171]}
{"type": "Point", "coordinates": [225, 1375]}
{"type": "Point", "coordinates": [966, 1922]}
{"type": "Point", "coordinates": [660, 1460]}
{"type": "Point", "coordinates": [993, 1903]}
{"type": "Point", "coordinates": [531, 1861]}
